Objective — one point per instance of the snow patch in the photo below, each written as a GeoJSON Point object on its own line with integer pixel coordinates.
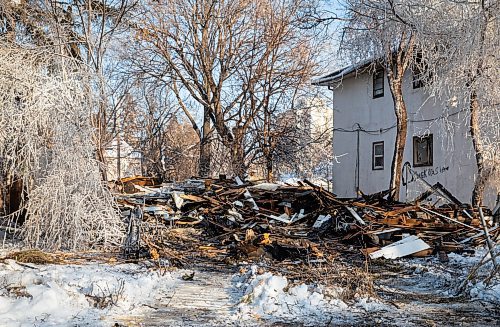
{"type": "Point", "coordinates": [446, 278]}
{"type": "Point", "coordinates": [272, 297]}
{"type": "Point", "coordinates": [68, 295]}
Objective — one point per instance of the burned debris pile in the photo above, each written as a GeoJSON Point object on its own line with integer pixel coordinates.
{"type": "Point", "coordinates": [224, 221]}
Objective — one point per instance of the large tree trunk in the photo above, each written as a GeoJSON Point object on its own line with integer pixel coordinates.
{"type": "Point", "coordinates": [400, 142]}
{"type": "Point", "coordinates": [238, 164]}
{"type": "Point", "coordinates": [398, 65]}
{"type": "Point", "coordinates": [205, 147]}
{"type": "Point", "coordinates": [483, 172]}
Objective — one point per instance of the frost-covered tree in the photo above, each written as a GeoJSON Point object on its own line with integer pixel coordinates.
{"type": "Point", "coordinates": [87, 31]}
{"type": "Point", "coordinates": [454, 47]}
{"type": "Point", "coordinates": [459, 45]}
{"type": "Point", "coordinates": [374, 32]}
{"type": "Point", "coordinates": [45, 142]}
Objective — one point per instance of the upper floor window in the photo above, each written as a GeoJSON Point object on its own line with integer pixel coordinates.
{"type": "Point", "coordinates": [419, 68]}
{"type": "Point", "coordinates": [378, 83]}
{"type": "Point", "coordinates": [378, 155]}
{"type": "Point", "coordinates": [418, 82]}
{"type": "Point", "coordinates": [422, 151]}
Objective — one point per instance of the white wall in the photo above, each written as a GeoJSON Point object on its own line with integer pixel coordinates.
{"type": "Point", "coordinates": [453, 156]}
{"type": "Point", "coordinates": [130, 161]}
{"type": "Point", "coordinates": [317, 115]}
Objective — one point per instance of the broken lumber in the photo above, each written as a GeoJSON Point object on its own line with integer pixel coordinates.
{"type": "Point", "coordinates": [408, 245]}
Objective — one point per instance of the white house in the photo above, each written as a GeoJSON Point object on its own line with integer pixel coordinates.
{"type": "Point", "coordinates": [315, 116]}
{"type": "Point", "coordinates": [313, 120]}
{"type": "Point", "coordinates": [122, 160]}
{"type": "Point", "coordinates": [438, 146]}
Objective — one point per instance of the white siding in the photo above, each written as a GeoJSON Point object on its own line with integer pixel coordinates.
{"type": "Point", "coordinates": [453, 156]}
{"type": "Point", "coordinates": [130, 161]}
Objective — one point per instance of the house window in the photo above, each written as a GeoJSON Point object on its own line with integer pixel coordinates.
{"type": "Point", "coordinates": [418, 82]}
{"type": "Point", "coordinates": [422, 151]}
{"type": "Point", "coordinates": [378, 84]}
{"type": "Point", "coordinates": [378, 156]}
{"type": "Point", "coordinates": [418, 69]}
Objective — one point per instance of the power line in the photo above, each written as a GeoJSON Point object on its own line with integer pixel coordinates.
{"type": "Point", "coordinates": [386, 129]}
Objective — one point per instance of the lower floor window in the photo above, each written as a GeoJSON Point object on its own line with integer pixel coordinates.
{"type": "Point", "coordinates": [378, 155]}
{"type": "Point", "coordinates": [422, 151]}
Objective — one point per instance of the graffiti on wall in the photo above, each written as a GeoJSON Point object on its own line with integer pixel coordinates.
{"type": "Point", "coordinates": [410, 175]}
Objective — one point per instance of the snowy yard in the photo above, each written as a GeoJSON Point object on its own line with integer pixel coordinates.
{"type": "Point", "coordinates": [249, 163]}
{"type": "Point", "coordinates": [55, 295]}
{"type": "Point", "coordinates": [410, 292]}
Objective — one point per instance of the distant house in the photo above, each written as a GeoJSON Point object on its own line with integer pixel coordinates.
{"type": "Point", "coordinates": [316, 117]}
{"type": "Point", "coordinates": [437, 149]}
{"type": "Point", "coordinates": [122, 160]}
{"type": "Point", "coordinates": [311, 143]}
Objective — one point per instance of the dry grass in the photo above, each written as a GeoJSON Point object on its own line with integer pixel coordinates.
{"type": "Point", "coordinates": [33, 256]}
{"type": "Point", "coordinates": [346, 279]}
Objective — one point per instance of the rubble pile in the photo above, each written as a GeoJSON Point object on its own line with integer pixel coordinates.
{"type": "Point", "coordinates": [224, 221]}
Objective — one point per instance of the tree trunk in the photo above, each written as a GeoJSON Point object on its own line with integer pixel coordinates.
{"type": "Point", "coordinates": [3, 195]}
{"type": "Point", "coordinates": [205, 146]}
{"type": "Point", "coordinates": [483, 173]}
{"type": "Point", "coordinates": [238, 154]}
{"type": "Point", "coordinates": [399, 145]}
{"type": "Point", "coordinates": [100, 158]}
{"type": "Point", "coordinates": [267, 148]}
{"type": "Point", "coordinates": [238, 162]}
{"type": "Point", "coordinates": [269, 169]}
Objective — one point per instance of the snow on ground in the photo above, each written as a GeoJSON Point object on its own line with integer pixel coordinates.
{"type": "Point", "coordinates": [99, 294]}
{"type": "Point", "coordinates": [477, 289]}
{"type": "Point", "coordinates": [446, 278]}
{"type": "Point", "coordinates": [66, 295]}
{"type": "Point", "coordinates": [271, 297]}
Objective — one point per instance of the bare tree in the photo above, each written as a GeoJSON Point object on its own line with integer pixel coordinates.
{"type": "Point", "coordinates": [91, 28]}
{"type": "Point", "coordinates": [303, 139]}
{"type": "Point", "coordinates": [181, 155]}
{"type": "Point", "coordinates": [169, 146]}
{"type": "Point", "coordinates": [231, 57]}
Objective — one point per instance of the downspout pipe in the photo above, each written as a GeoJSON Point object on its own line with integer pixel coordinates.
{"type": "Point", "coordinates": [357, 159]}
{"type": "Point", "coordinates": [330, 177]}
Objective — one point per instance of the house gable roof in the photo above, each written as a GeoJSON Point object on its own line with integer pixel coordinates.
{"type": "Point", "coordinates": [340, 74]}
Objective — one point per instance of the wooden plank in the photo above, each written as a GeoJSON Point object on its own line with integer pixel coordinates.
{"type": "Point", "coordinates": [192, 198]}
{"type": "Point", "coordinates": [397, 212]}
{"type": "Point", "coordinates": [408, 245]}
{"type": "Point", "coordinates": [448, 218]}
{"type": "Point", "coordinates": [355, 215]}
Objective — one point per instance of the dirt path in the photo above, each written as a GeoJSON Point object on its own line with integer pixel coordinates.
{"type": "Point", "coordinates": [207, 300]}
{"type": "Point", "coordinates": [210, 299]}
